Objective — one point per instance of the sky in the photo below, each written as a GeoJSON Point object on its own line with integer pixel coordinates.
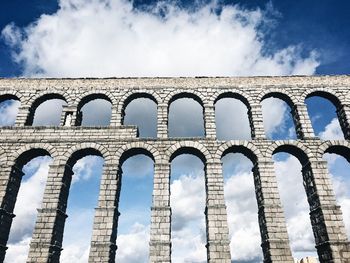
{"type": "Point", "coordinates": [106, 38]}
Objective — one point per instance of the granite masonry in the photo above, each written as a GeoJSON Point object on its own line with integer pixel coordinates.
{"type": "Point", "coordinates": [70, 141]}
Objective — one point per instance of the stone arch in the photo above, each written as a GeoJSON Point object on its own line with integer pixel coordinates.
{"type": "Point", "coordinates": [248, 149]}
{"type": "Point", "coordinates": [295, 148]}
{"type": "Point", "coordinates": [83, 149]}
{"type": "Point", "coordinates": [130, 149]}
{"type": "Point", "coordinates": [86, 97]}
{"type": "Point", "coordinates": [45, 148]}
{"type": "Point", "coordinates": [36, 101]}
{"type": "Point", "coordinates": [8, 200]}
{"type": "Point", "coordinates": [193, 94]}
{"type": "Point", "coordinates": [132, 95]}
{"type": "Point", "coordinates": [235, 94]}
{"type": "Point", "coordinates": [341, 148]}
{"type": "Point", "coordinates": [197, 97]}
{"type": "Point", "coordinates": [290, 99]}
{"type": "Point", "coordinates": [10, 95]}
{"type": "Point", "coordinates": [337, 100]}
{"type": "Point", "coordinates": [248, 115]}
{"type": "Point", "coordinates": [326, 93]}
{"type": "Point", "coordinates": [190, 147]}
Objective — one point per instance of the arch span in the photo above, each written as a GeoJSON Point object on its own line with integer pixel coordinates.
{"type": "Point", "coordinates": [188, 147]}
{"type": "Point", "coordinates": [38, 100]}
{"type": "Point", "coordinates": [249, 150]}
{"type": "Point", "coordinates": [296, 149]}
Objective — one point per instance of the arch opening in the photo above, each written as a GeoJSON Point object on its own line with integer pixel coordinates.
{"type": "Point", "coordinates": [94, 110]}
{"type": "Point", "coordinates": [9, 107]}
{"type": "Point", "coordinates": [232, 117]}
{"type": "Point", "coordinates": [322, 108]}
{"type": "Point", "coordinates": [46, 110]}
{"type": "Point", "coordinates": [187, 201]}
{"type": "Point", "coordinates": [277, 117]}
{"type": "Point", "coordinates": [142, 112]}
{"type": "Point", "coordinates": [338, 163]}
{"type": "Point", "coordinates": [242, 209]}
{"type": "Point", "coordinates": [23, 197]}
{"type": "Point", "coordinates": [79, 196]}
{"type": "Point", "coordinates": [186, 116]}
{"type": "Point", "coordinates": [137, 166]}
{"type": "Point", "coordinates": [293, 182]}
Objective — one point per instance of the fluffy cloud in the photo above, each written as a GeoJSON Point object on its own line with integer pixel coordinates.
{"type": "Point", "coordinates": [332, 131]}
{"type": "Point", "coordinates": [76, 244]}
{"type": "Point", "coordinates": [85, 167]}
{"type": "Point", "coordinates": [133, 245]}
{"type": "Point", "coordinates": [111, 38]}
{"type": "Point", "coordinates": [242, 217]}
{"type": "Point", "coordinates": [295, 205]}
{"type": "Point", "coordinates": [275, 113]}
{"type": "Point", "coordinates": [188, 226]}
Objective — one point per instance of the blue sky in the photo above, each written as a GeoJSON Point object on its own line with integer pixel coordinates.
{"type": "Point", "coordinates": [251, 38]}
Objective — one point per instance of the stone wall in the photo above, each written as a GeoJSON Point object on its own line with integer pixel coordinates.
{"type": "Point", "coordinates": [69, 142]}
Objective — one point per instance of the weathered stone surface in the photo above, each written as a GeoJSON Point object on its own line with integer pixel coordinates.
{"type": "Point", "coordinates": [69, 142]}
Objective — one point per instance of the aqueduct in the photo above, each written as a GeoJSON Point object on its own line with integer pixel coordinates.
{"type": "Point", "coordinates": [70, 141]}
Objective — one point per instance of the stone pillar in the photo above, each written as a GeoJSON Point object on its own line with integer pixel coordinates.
{"type": "Point", "coordinates": [46, 244]}
{"type": "Point", "coordinates": [162, 121]}
{"type": "Point", "coordinates": [326, 216]}
{"type": "Point", "coordinates": [273, 230]}
{"type": "Point", "coordinates": [209, 121]}
{"type": "Point", "coordinates": [23, 113]}
{"type": "Point", "coordinates": [343, 112]}
{"type": "Point", "coordinates": [160, 240]}
{"type": "Point", "coordinates": [103, 241]}
{"type": "Point", "coordinates": [218, 243]}
{"type": "Point", "coordinates": [302, 123]}
{"type": "Point", "coordinates": [10, 183]}
{"type": "Point", "coordinates": [256, 122]}
{"type": "Point", "coordinates": [115, 121]}
{"type": "Point", "coordinates": [69, 116]}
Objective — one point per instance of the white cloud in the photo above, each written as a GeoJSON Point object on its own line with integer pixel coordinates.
{"type": "Point", "coordinates": [274, 113]}
{"type": "Point", "coordinates": [111, 38]}
{"type": "Point", "coordinates": [187, 201]}
{"type": "Point", "coordinates": [8, 112]}
{"type": "Point", "coordinates": [85, 167]}
{"type": "Point", "coordinates": [242, 215]}
{"type": "Point", "coordinates": [28, 200]}
{"type": "Point", "coordinates": [332, 131]}
{"type": "Point", "coordinates": [76, 244]}
{"type": "Point", "coordinates": [133, 246]}
{"type": "Point", "coordinates": [295, 206]}
{"type": "Point", "coordinates": [18, 252]}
